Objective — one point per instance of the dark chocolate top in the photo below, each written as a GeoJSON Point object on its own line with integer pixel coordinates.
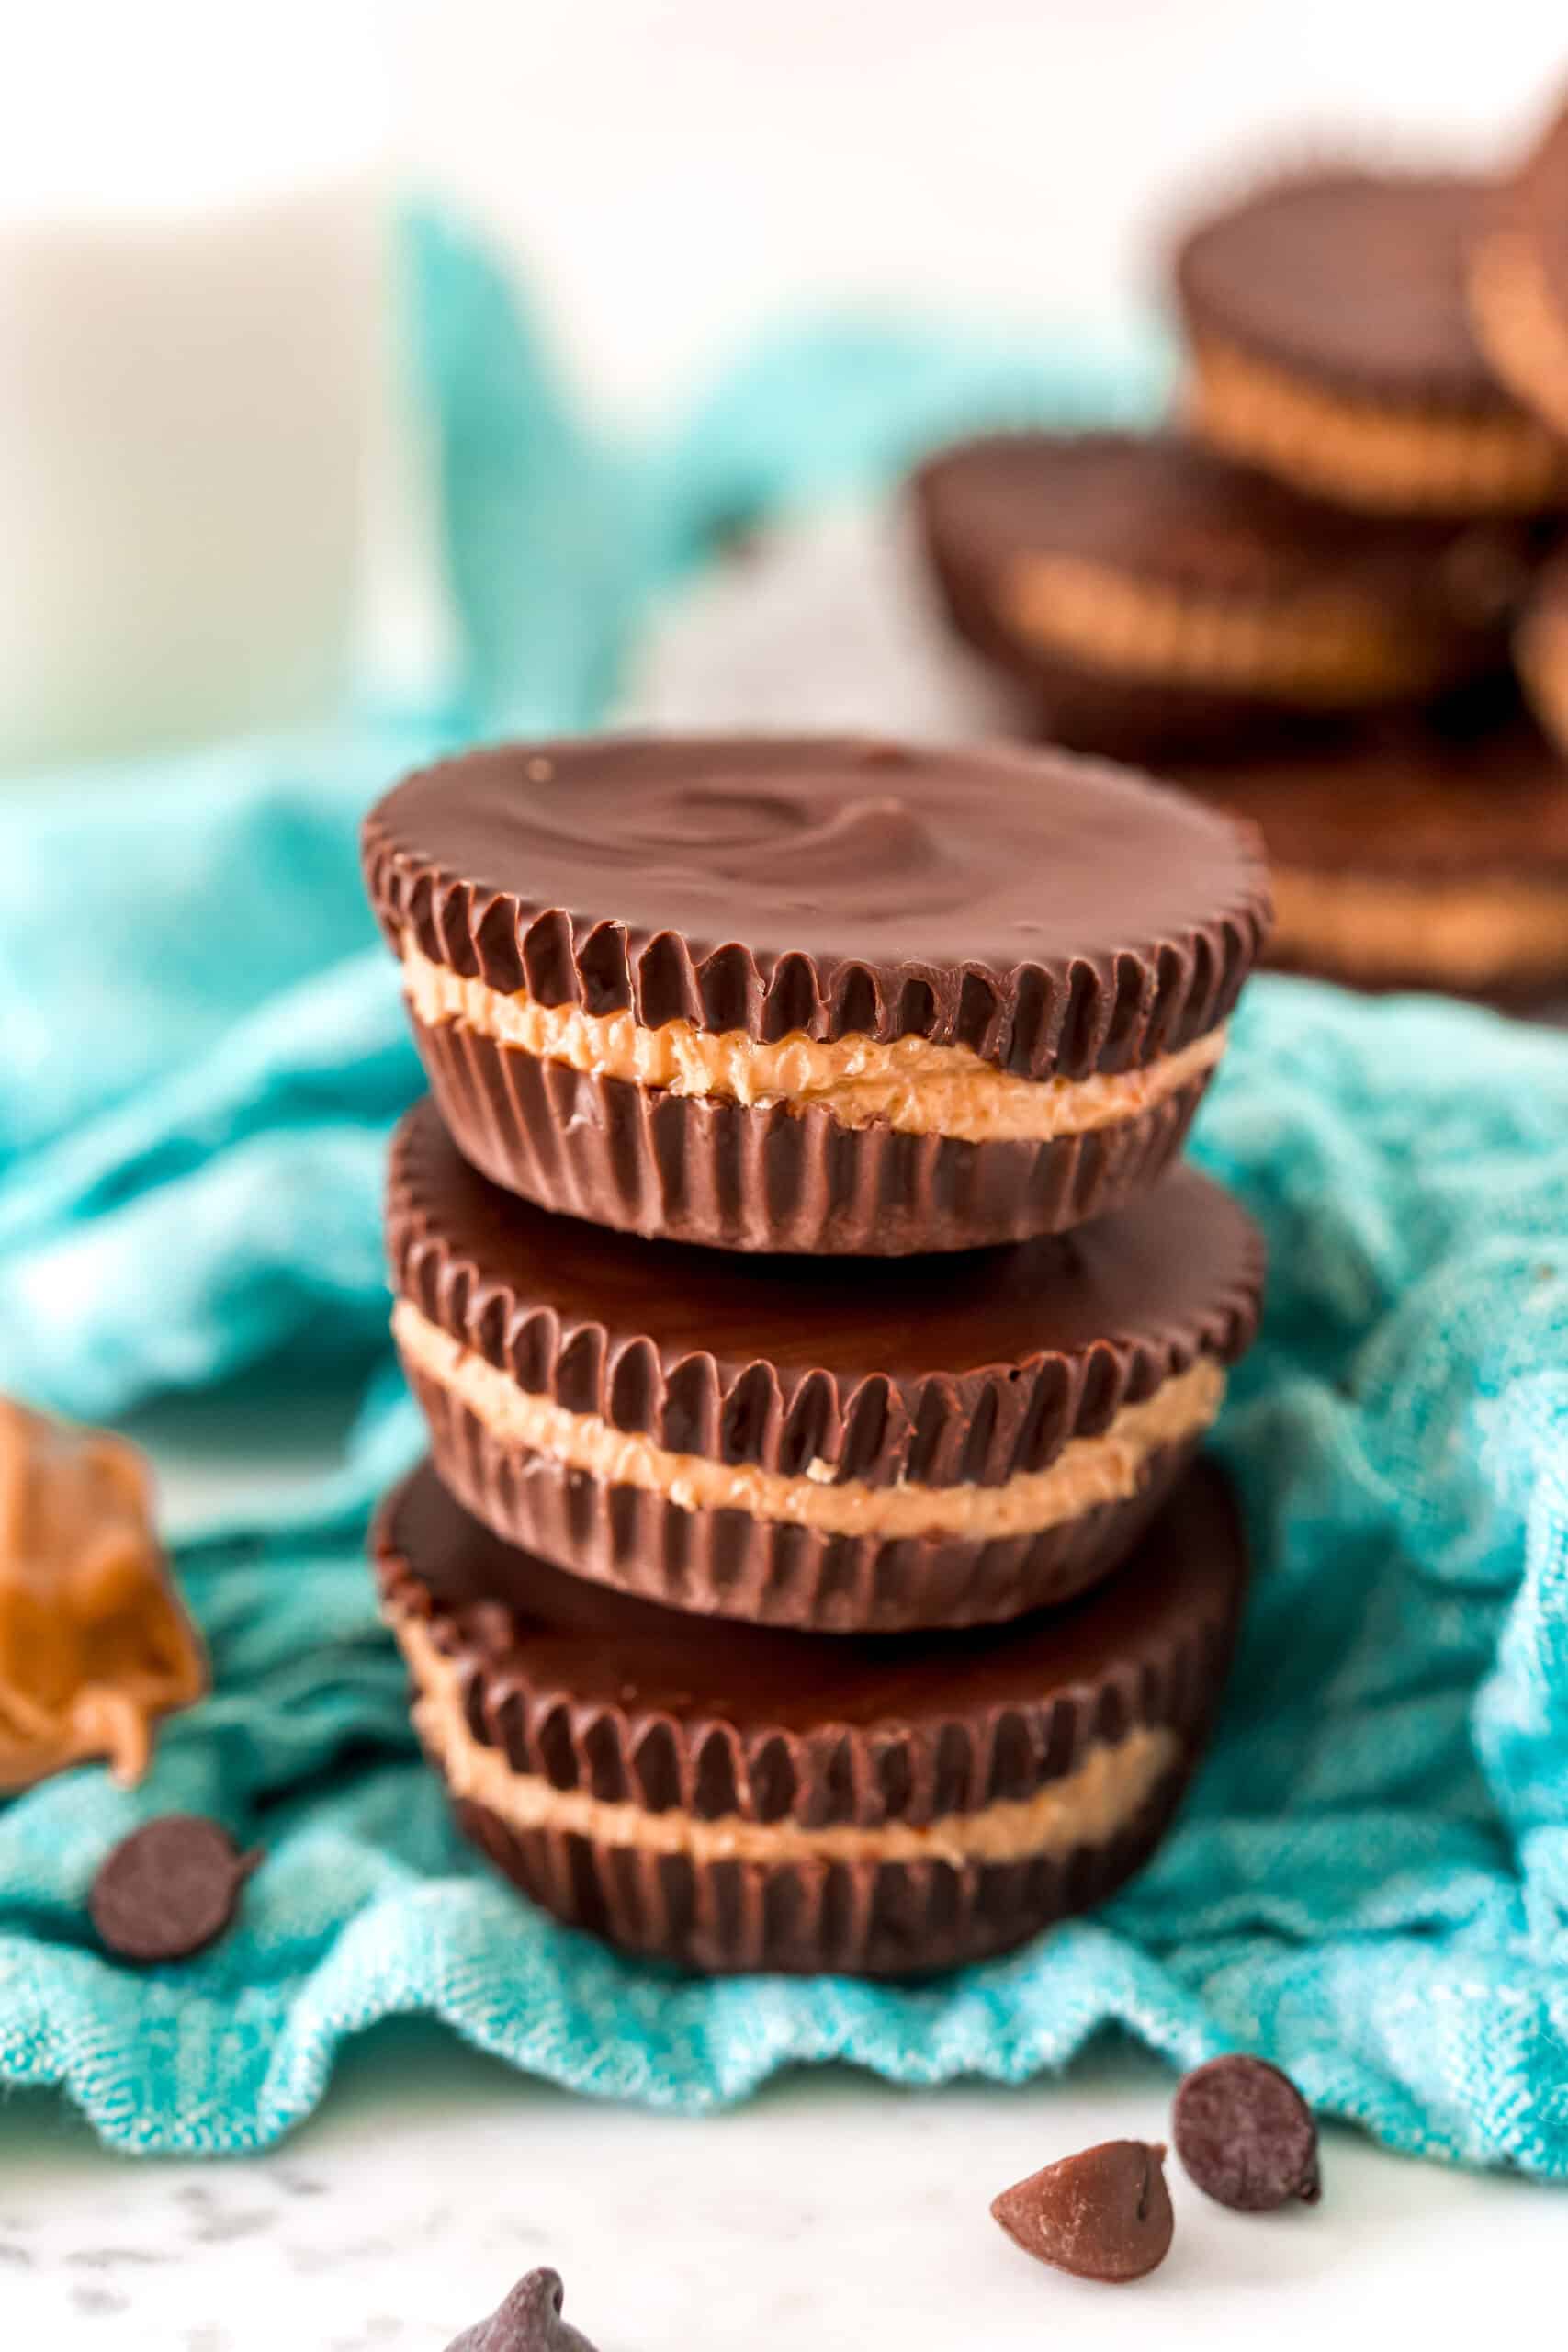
{"type": "Point", "coordinates": [1408, 804]}
{"type": "Point", "coordinates": [1355, 277]}
{"type": "Point", "coordinates": [555, 1634]}
{"type": "Point", "coordinates": [1054, 914]}
{"type": "Point", "coordinates": [1162, 509]}
{"type": "Point", "coordinates": [966, 1366]}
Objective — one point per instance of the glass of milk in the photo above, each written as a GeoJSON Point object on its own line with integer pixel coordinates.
{"type": "Point", "coordinates": [190, 281]}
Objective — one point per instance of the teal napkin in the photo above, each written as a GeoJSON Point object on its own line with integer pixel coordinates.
{"type": "Point", "coordinates": [201, 1056]}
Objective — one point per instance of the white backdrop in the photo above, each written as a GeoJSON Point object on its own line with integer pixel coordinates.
{"type": "Point", "coordinates": [678, 171]}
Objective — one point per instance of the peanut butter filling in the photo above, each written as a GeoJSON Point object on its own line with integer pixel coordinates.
{"type": "Point", "coordinates": [913, 1086]}
{"type": "Point", "coordinates": [1086, 1807]}
{"type": "Point", "coordinates": [94, 1642]}
{"type": "Point", "coordinates": [1523, 331]}
{"type": "Point", "coordinates": [1469, 935]}
{"type": "Point", "coordinates": [1318, 648]}
{"type": "Point", "coordinates": [1371, 453]}
{"type": "Point", "coordinates": [1089, 1471]}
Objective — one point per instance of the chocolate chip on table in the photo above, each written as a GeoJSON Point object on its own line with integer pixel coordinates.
{"type": "Point", "coordinates": [528, 2321]}
{"type": "Point", "coordinates": [1104, 2214]}
{"type": "Point", "coordinates": [170, 1889]}
{"type": "Point", "coordinates": [1246, 2135]}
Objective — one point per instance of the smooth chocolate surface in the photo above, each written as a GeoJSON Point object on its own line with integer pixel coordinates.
{"type": "Point", "coordinates": [1054, 915]}
{"type": "Point", "coordinates": [964, 1366]}
{"type": "Point", "coordinates": [169, 1889]}
{"type": "Point", "coordinates": [1408, 803]}
{"type": "Point", "coordinates": [1246, 2135]}
{"type": "Point", "coordinates": [1104, 2214]}
{"type": "Point", "coordinates": [637, 1667]}
{"type": "Point", "coordinates": [1350, 277]}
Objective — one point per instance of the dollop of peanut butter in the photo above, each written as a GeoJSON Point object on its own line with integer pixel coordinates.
{"type": "Point", "coordinates": [95, 1641]}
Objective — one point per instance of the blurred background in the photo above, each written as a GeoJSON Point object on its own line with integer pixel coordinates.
{"type": "Point", "coordinates": [215, 482]}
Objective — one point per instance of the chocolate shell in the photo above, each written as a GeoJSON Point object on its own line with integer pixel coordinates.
{"type": "Point", "coordinates": [1055, 916]}
{"type": "Point", "coordinates": [771, 1734]}
{"type": "Point", "coordinates": [941, 1372]}
{"type": "Point", "coordinates": [1051, 918]}
{"type": "Point", "coordinates": [1264, 603]}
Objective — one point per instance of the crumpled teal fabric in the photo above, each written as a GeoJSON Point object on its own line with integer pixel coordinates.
{"type": "Point", "coordinates": [201, 1055]}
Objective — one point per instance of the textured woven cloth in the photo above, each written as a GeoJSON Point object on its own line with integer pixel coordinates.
{"type": "Point", "coordinates": [201, 1056]}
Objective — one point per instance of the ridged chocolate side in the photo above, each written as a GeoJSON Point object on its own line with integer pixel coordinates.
{"type": "Point", "coordinates": [1068, 1015]}
{"type": "Point", "coordinates": [726, 1176]}
{"type": "Point", "coordinates": [807, 1918]}
{"type": "Point", "coordinates": [730, 1564]}
{"type": "Point", "coordinates": [948, 1377]}
{"type": "Point", "coordinates": [1174, 1612]}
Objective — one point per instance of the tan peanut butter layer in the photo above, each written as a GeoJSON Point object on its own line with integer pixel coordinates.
{"type": "Point", "coordinates": [1320, 647]}
{"type": "Point", "coordinates": [1088, 1470]}
{"type": "Point", "coordinates": [915, 1087]}
{"type": "Point", "coordinates": [95, 1644]}
{"type": "Point", "coordinates": [1391, 456]}
{"type": "Point", "coordinates": [1523, 331]}
{"type": "Point", "coordinates": [1086, 1807]}
{"type": "Point", "coordinates": [1472, 935]}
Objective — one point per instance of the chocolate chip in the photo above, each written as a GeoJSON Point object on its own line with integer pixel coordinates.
{"type": "Point", "coordinates": [170, 1889]}
{"type": "Point", "coordinates": [1246, 2135]}
{"type": "Point", "coordinates": [1104, 2214]}
{"type": "Point", "coordinates": [528, 2321]}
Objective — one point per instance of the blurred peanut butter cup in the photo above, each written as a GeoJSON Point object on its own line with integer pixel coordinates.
{"type": "Point", "coordinates": [1331, 344]}
{"type": "Point", "coordinates": [1145, 592]}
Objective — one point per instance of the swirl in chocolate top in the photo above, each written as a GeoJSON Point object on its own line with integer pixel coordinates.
{"type": "Point", "coordinates": [1353, 276]}
{"type": "Point", "coordinates": [1051, 913]}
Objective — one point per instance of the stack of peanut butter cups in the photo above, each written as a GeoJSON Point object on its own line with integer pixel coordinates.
{"type": "Point", "coordinates": [815, 1568]}
{"type": "Point", "coordinates": [1327, 594]}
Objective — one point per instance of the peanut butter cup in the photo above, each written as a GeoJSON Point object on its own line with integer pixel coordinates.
{"type": "Point", "coordinates": [740, 1797]}
{"type": "Point", "coordinates": [1518, 280]}
{"type": "Point", "coordinates": [818, 995]}
{"type": "Point", "coordinates": [1145, 592]}
{"type": "Point", "coordinates": [1331, 344]}
{"type": "Point", "coordinates": [943, 1441]}
{"type": "Point", "coordinates": [1416, 860]}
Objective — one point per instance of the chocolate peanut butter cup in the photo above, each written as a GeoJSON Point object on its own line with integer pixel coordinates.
{"type": "Point", "coordinates": [1518, 280]}
{"type": "Point", "coordinates": [1416, 860]}
{"type": "Point", "coordinates": [738, 1797]}
{"type": "Point", "coordinates": [938, 1441]}
{"type": "Point", "coordinates": [1331, 344]}
{"type": "Point", "coordinates": [824, 996]}
{"type": "Point", "coordinates": [1145, 592]}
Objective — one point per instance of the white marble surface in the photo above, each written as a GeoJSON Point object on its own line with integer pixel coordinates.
{"type": "Point", "coordinates": [829, 2213]}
